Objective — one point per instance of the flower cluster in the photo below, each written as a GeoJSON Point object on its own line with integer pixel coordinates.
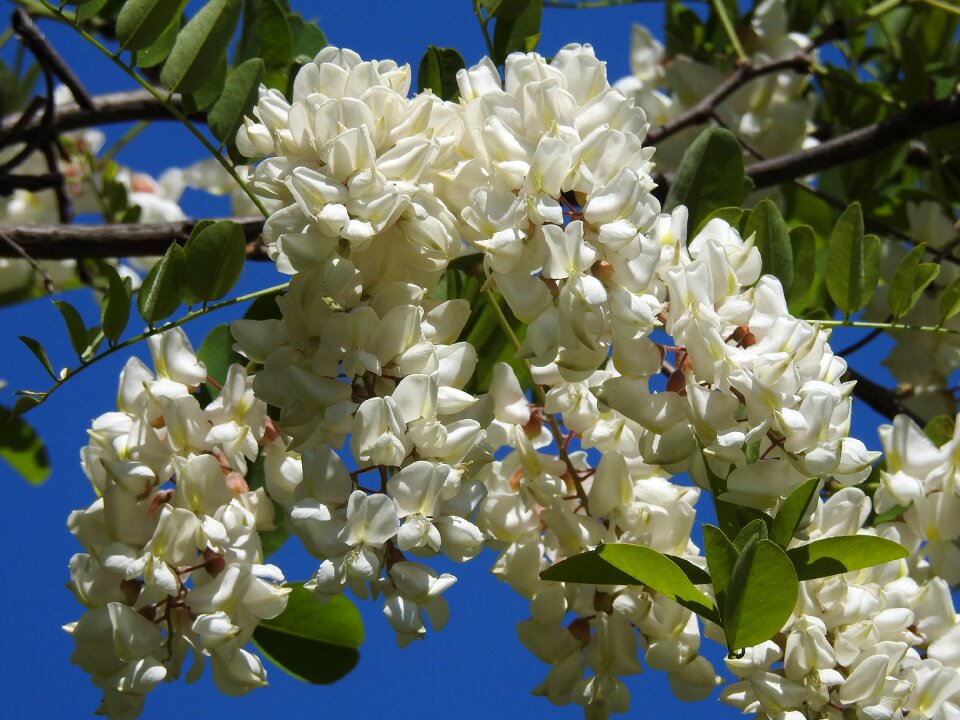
{"type": "Point", "coordinates": [771, 114]}
{"type": "Point", "coordinates": [880, 642]}
{"type": "Point", "coordinates": [173, 566]}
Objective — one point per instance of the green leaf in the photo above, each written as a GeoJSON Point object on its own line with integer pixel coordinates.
{"type": "Point", "coordinates": [76, 328]}
{"type": "Point", "coordinates": [792, 511]}
{"type": "Point", "coordinates": [22, 448]}
{"type": "Point", "coordinates": [950, 300]}
{"type": "Point", "coordinates": [40, 354]}
{"type": "Point", "coordinates": [761, 595]}
{"type": "Point", "coordinates": [160, 50]}
{"type": "Point", "coordinates": [217, 353]}
{"type": "Point", "coordinates": [803, 248]}
{"type": "Point", "coordinates": [115, 311]}
{"type": "Point", "coordinates": [835, 555]}
{"type": "Point", "coordinates": [517, 27]}
{"type": "Point", "coordinates": [162, 288]}
{"type": "Point", "coordinates": [710, 176]}
{"type": "Point", "coordinates": [940, 429]}
{"type": "Point", "coordinates": [721, 557]}
{"type": "Point", "coordinates": [194, 58]}
{"type": "Point", "coordinates": [313, 642]}
{"type": "Point", "coordinates": [853, 262]}
{"type": "Point", "coordinates": [264, 308]}
{"type": "Point", "coordinates": [909, 281]}
{"type": "Point", "coordinates": [308, 39]}
{"type": "Point", "coordinates": [622, 564]}
{"type": "Point", "coordinates": [733, 216]}
{"type": "Point", "coordinates": [214, 259]}
{"type": "Point", "coordinates": [772, 239]}
{"type": "Point", "coordinates": [200, 100]}
{"type": "Point", "coordinates": [238, 97]}
{"type": "Point", "coordinates": [438, 72]}
{"type": "Point", "coordinates": [696, 574]}
{"type": "Point", "coordinates": [753, 529]}
{"type": "Point", "coordinates": [142, 22]}
{"type": "Point", "coordinates": [276, 42]}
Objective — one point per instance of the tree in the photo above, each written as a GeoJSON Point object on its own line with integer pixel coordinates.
{"type": "Point", "coordinates": [528, 312]}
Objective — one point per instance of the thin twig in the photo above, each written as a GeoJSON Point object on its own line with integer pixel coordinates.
{"type": "Point", "coordinates": [48, 57]}
{"type": "Point", "coordinates": [703, 110]}
{"type": "Point", "coordinates": [861, 343]}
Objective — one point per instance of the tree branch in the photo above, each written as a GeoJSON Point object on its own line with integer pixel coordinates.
{"type": "Point", "coordinates": [58, 242]}
{"type": "Point", "coordinates": [857, 143]}
{"type": "Point", "coordinates": [107, 109]}
{"type": "Point", "coordinates": [704, 110]}
{"type": "Point", "coordinates": [881, 399]}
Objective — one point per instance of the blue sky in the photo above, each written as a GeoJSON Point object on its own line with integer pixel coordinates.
{"type": "Point", "coordinates": [475, 668]}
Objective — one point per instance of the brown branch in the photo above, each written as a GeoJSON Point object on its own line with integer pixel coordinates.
{"type": "Point", "coordinates": [49, 58]}
{"type": "Point", "coordinates": [857, 143]}
{"type": "Point", "coordinates": [58, 242]}
{"type": "Point", "coordinates": [881, 399]}
{"type": "Point", "coordinates": [107, 109]}
{"type": "Point", "coordinates": [704, 110]}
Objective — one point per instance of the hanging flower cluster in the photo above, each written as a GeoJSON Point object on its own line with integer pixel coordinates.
{"type": "Point", "coordinates": [173, 567]}
{"type": "Point", "coordinates": [651, 355]}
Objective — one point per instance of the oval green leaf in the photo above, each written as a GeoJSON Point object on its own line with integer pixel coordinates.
{"type": "Point", "coordinates": [721, 557]}
{"type": "Point", "coordinates": [792, 511]}
{"type": "Point", "coordinates": [772, 239]}
{"type": "Point", "coordinates": [438, 72]}
{"type": "Point", "coordinates": [836, 555]}
{"type": "Point", "coordinates": [195, 55]}
{"type": "Point", "coordinates": [142, 22]}
{"type": "Point", "coordinates": [761, 595]}
{"type": "Point", "coordinates": [22, 448]}
{"type": "Point", "coordinates": [115, 311]}
{"type": "Point", "coordinates": [313, 642]}
{"type": "Point", "coordinates": [949, 304]}
{"type": "Point", "coordinates": [623, 564]}
{"type": "Point", "coordinates": [76, 328]}
{"type": "Point", "coordinates": [710, 176]}
{"type": "Point", "coordinates": [162, 288]}
{"type": "Point", "coordinates": [214, 259]}
{"type": "Point", "coordinates": [853, 262]}
{"type": "Point", "coordinates": [238, 97]}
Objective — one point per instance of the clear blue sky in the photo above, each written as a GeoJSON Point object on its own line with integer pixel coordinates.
{"type": "Point", "coordinates": [475, 668]}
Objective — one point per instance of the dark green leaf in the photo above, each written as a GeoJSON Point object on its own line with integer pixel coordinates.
{"type": "Point", "coordinates": [141, 22]}
{"type": "Point", "coordinates": [22, 448]}
{"type": "Point", "coordinates": [733, 216]}
{"type": "Point", "coordinates": [314, 642]}
{"type": "Point", "coordinates": [201, 99]}
{"type": "Point", "coordinates": [792, 511]}
{"type": "Point", "coordinates": [909, 281]}
{"type": "Point", "coordinates": [238, 97]}
{"type": "Point", "coordinates": [806, 279]}
{"type": "Point", "coordinates": [76, 328]}
{"type": "Point", "coordinates": [276, 42]}
{"type": "Point", "coordinates": [853, 262]}
{"type": "Point", "coordinates": [308, 39]}
{"type": "Point", "coordinates": [517, 27]}
{"type": "Point", "coordinates": [696, 574]}
{"type": "Point", "coordinates": [160, 50]}
{"type": "Point", "coordinates": [438, 72]}
{"type": "Point", "coordinates": [940, 429]}
{"type": "Point", "coordinates": [761, 595]}
{"type": "Point", "coordinates": [710, 176]}
{"type": "Point", "coordinates": [214, 259]}
{"type": "Point", "coordinates": [115, 311]}
{"type": "Point", "coordinates": [721, 557]}
{"type": "Point", "coordinates": [835, 555]}
{"type": "Point", "coordinates": [264, 308]}
{"type": "Point", "coordinates": [753, 529]}
{"type": "Point", "coordinates": [40, 354]}
{"type": "Point", "coordinates": [217, 353]}
{"type": "Point", "coordinates": [622, 564]}
{"type": "Point", "coordinates": [950, 300]}
{"type": "Point", "coordinates": [162, 288]}
{"type": "Point", "coordinates": [195, 56]}
{"type": "Point", "coordinates": [773, 241]}
{"type": "Point", "coordinates": [27, 402]}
